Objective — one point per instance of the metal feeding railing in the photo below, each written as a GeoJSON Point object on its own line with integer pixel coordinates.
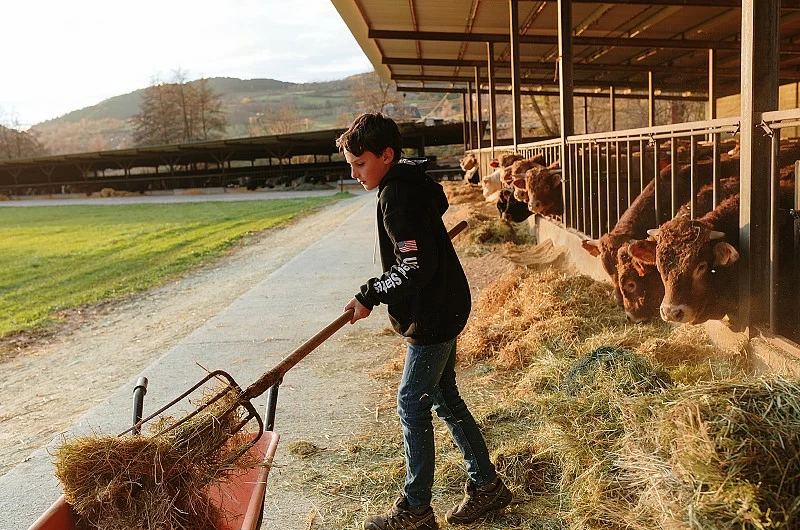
{"type": "Point", "coordinates": [605, 172]}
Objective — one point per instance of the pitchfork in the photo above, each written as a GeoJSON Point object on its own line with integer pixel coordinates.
{"type": "Point", "coordinates": [243, 398]}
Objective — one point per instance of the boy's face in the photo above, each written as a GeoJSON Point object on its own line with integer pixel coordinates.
{"type": "Point", "coordinates": [369, 169]}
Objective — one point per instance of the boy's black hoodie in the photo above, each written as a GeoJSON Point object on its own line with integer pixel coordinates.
{"type": "Point", "coordinates": [423, 283]}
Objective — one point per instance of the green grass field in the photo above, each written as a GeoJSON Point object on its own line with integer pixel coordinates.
{"type": "Point", "coordinates": [61, 257]}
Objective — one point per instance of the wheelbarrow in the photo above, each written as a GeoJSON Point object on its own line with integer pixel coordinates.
{"type": "Point", "coordinates": [241, 497]}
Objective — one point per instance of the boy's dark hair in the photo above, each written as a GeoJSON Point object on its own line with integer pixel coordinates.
{"type": "Point", "coordinates": [373, 133]}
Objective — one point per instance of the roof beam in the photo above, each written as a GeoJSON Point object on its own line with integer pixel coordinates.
{"type": "Point", "coordinates": [605, 83]}
{"type": "Point", "coordinates": [589, 67]}
{"type": "Point", "coordinates": [785, 4]}
{"type": "Point", "coordinates": [548, 40]}
{"type": "Point", "coordinates": [553, 93]}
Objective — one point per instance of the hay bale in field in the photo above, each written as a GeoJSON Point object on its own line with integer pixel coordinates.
{"type": "Point", "coordinates": [153, 482]}
{"type": "Point", "coordinates": [628, 371]}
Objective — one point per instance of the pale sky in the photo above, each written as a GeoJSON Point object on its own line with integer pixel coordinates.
{"type": "Point", "coordinates": [59, 56]}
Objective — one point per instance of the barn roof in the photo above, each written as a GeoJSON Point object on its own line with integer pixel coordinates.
{"type": "Point", "coordinates": [438, 44]}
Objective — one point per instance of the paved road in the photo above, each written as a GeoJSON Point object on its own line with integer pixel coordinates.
{"type": "Point", "coordinates": [287, 307]}
{"type": "Point", "coordinates": [216, 194]}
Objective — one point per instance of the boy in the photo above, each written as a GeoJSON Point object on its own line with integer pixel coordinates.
{"type": "Point", "coordinates": [428, 300]}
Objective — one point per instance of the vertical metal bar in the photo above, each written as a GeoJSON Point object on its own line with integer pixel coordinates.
{"type": "Point", "coordinates": [656, 171]}
{"type": "Point", "coordinates": [516, 109]}
{"type": "Point", "coordinates": [479, 109]}
{"type": "Point", "coordinates": [587, 191]}
{"type": "Point", "coordinates": [599, 193]}
{"type": "Point", "coordinates": [469, 122]}
{"type": "Point", "coordinates": [585, 115]}
{"type": "Point", "coordinates": [716, 170]}
{"type": "Point", "coordinates": [651, 101]}
{"type": "Point", "coordinates": [759, 93]}
{"type": "Point", "coordinates": [608, 186]}
{"type": "Point", "coordinates": [774, 178]}
{"type": "Point", "coordinates": [628, 155]}
{"type": "Point", "coordinates": [712, 85]}
{"type": "Point", "coordinates": [641, 165]}
{"type": "Point", "coordinates": [796, 254]}
{"type": "Point", "coordinates": [693, 178]}
{"type": "Point", "coordinates": [492, 98]}
{"type": "Point", "coordinates": [674, 165]}
{"type": "Point", "coordinates": [619, 178]}
{"type": "Point", "coordinates": [612, 103]}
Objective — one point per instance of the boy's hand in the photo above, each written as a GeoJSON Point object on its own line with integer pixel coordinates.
{"type": "Point", "coordinates": [359, 311]}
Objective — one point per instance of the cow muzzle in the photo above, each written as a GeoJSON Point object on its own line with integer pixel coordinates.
{"type": "Point", "coordinates": [679, 313]}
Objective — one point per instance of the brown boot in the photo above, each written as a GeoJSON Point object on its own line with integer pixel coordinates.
{"type": "Point", "coordinates": [478, 501]}
{"type": "Point", "coordinates": [401, 517]}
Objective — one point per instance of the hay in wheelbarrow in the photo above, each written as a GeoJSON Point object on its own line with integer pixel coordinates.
{"type": "Point", "coordinates": [152, 482]}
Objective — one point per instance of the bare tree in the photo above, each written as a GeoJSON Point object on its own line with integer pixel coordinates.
{"type": "Point", "coordinates": [178, 111]}
{"type": "Point", "coordinates": [371, 94]}
{"type": "Point", "coordinates": [283, 118]}
{"type": "Point", "coordinates": [16, 143]}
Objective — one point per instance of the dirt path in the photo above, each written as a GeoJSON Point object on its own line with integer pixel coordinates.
{"type": "Point", "coordinates": [44, 387]}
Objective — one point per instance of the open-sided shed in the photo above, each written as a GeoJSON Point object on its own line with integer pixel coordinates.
{"type": "Point", "coordinates": [692, 49]}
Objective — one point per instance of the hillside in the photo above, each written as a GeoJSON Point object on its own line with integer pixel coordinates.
{"type": "Point", "coordinates": [320, 105]}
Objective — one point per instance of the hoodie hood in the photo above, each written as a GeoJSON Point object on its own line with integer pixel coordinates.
{"type": "Point", "coordinates": [412, 170]}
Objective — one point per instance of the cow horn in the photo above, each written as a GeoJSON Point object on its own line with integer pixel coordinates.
{"type": "Point", "coordinates": [714, 234]}
{"type": "Point", "coordinates": [653, 232]}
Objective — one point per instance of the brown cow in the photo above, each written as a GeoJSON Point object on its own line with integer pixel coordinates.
{"type": "Point", "coordinates": [696, 262]}
{"type": "Point", "coordinates": [641, 215]}
{"type": "Point", "coordinates": [640, 284]}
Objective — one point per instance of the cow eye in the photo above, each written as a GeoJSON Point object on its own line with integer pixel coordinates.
{"type": "Point", "coordinates": [701, 268]}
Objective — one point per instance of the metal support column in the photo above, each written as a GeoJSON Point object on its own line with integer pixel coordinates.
{"type": "Point", "coordinates": [516, 110]}
{"type": "Point", "coordinates": [471, 117]}
{"type": "Point", "coordinates": [479, 109]}
{"type": "Point", "coordinates": [759, 89]}
{"type": "Point", "coordinates": [565, 85]}
{"type": "Point", "coordinates": [612, 104]}
{"type": "Point", "coordinates": [712, 85]}
{"type": "Point", "coordinates": [492, 101]}
{"type": "Point", "coordinates": [651, 101]}
{"type": "Point", "coordinates": [464, 119]}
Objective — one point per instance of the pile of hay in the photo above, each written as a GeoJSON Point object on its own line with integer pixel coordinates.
{"type": "Point", "coordinates": [715, 455]}
{"type": "Point", "coordinates": [152, 482]}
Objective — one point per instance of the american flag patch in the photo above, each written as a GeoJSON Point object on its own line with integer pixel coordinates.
{"type": "Point", "coordinates": [407, 246]}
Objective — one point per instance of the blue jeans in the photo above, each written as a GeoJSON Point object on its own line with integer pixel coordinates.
{"type": "Point", "coordinates": [429, 383]}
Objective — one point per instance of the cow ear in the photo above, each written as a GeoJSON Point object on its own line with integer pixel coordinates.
{"type": "Point", "coordinates": [725, 255]}
{"type": "Point", "coordinates": [653, 232]}
{"type": "Point", "coordinates": [644, 251]}
{"type": "Point", "coordinates": [556, 178]}
{"type": "Point", "coordinates": [592, 246]}
{"type": "Point", "coordinates": [715, 234]}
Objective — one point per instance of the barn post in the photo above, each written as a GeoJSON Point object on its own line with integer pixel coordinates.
{"type": "Point", "coordinates": [759, 89]}
{"type": "Point", "coordinates": [516, 111]}
{"type": "Point", "coordinates": [712, 85]}
{"type": "Point", "coordinates": [565, 85]}
{"type": "Point", "coordinates": [612, 105]}
{"type": "Point", "coordinates": [479, 111]}
{"type": "Point", "coordinates": [651, 100]}
{"type": "Point", "coordinates": [471, 114]}
{"type": "Point", "coordinates": [464, 120]}
{"type": "Point", "coordinates": [492, 101]}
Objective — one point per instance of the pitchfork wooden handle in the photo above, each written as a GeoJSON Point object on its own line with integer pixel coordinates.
{"type": "Point", "coordinates": [275, 374]}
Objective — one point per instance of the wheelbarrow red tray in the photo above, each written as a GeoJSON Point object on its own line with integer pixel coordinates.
{"type": "Point", "coordinates": [241, 497]}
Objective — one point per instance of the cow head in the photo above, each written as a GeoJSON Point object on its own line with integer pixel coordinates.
{"type": "Point", "coordinates": [520, 191]}
{"type": "Point", "coordinates": [640, 286]}
{"type": "Point", "coordinates": [605, 248]}
{"type": "Point", "coordinates": [544, 191]}
{"type": "Point", "coordinates": [695, 265]}
{"type": "Point", "coordinates": [468, 161]}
